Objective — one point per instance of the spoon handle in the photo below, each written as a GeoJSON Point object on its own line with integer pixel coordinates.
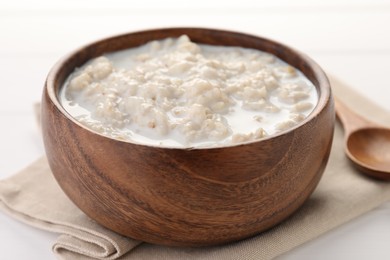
{"type": "Point", "coordinates": [350, 120]}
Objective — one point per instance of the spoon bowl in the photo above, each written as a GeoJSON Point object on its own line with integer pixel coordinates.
{"type": "Point", "coordinates": [367, 144]}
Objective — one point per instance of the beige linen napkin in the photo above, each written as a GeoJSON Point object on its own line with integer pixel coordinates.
{"type": "Point", "coordinates": [34, 197]}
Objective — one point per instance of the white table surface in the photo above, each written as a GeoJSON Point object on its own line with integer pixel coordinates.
{"type": "Point", "coordinates": [348, 38]}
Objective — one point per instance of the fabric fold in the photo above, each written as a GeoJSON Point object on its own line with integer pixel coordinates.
{"type": "Point", "coordinates": [34, 197]}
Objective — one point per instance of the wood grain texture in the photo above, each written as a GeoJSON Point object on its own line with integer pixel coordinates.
{"type": "Point", "coordinates": [367, 144]}
{"type": "Point", "coordinates": [187, 197]}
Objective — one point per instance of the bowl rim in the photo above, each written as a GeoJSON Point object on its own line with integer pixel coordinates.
{"type": "Point", "coordinates": [323, 86]}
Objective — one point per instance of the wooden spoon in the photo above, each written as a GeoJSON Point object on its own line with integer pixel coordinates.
{"type": "Point", "coordinates": [367, 144]}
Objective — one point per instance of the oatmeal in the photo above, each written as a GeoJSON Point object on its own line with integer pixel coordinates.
{"type": "Point", "coordinates": [176, 93]}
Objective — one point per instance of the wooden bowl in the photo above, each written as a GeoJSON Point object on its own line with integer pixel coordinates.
{"type": "Point", "coordinates": [187, 197]}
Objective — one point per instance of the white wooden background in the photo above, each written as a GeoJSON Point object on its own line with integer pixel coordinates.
{"type": "Point", "coordinates": [350, 39]}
